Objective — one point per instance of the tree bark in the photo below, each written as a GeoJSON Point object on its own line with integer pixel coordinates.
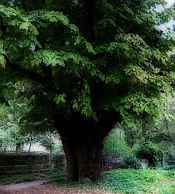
{"type": "Point", "coordinates": [91, 4]}
{"type": "Point", "coordinates": [18, 147]}
{"type": "Point", "coordinates": [72, 168]}
{"type": "Point", "coordinates": [143, 129]}
{"type": "Point", "coordinates": [162, 161]}
{"type": "Point", "coordinates": [84, 160]}
{"type": "Point", "coordinates": [1, 149]}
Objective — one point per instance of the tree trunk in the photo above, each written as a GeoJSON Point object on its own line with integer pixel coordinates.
{"type": "Point", "coordinates": [18, 146]}
{"type": "Point", "coordinates": [1, 149]}
{"type": "Point", "coordinates": [83, 140]}
{"type": "Point", "coordinates": [84, 160]}
{"type": "Point", "coordinates": [143, 129]}
{"type": "Point", "coordinates": [162, 161]}
{"type": "Point", "coordinates": [51, 151]}
{"type": "Point", "coordinates": [30, 145]}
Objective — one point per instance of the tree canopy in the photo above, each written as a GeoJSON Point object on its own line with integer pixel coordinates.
{"type": "Point", "coordinates": [87, 65]}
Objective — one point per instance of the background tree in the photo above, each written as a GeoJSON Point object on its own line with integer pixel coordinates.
{"type": "Point", "coordinates": [14, 131]}
{"type": "Point", "coordinates": [10, 115]}
{"type": "Point", "coordinates": [87, 72]}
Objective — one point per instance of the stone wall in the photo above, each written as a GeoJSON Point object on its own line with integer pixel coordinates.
{"type": "Point", "coordinates": [26, 163]}
{"type": "Point", "coordinates": [11, 163]}
{"type": "Point", "coordinates": [111, 162]}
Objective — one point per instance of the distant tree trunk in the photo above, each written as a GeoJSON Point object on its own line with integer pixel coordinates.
{"type": "Point", "coordinates": [51, 166]}
{"type": "Point", "coordinates": [143, 129]}
{"type": "Point", "coordinates": [1, 150]}
{"type": "Point", "coordinates": [51, 146]}
{"type": "Point", "coordinates": [162, 161]}
{"type": "Point", "coordinates": [30, 145]}
{"type": "Point", "coordinates": [51, 151]}
{"type": "Point", "coordinates": [18, 146]}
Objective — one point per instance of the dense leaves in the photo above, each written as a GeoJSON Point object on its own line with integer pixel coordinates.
{"type": "Point", "coordinates": [123, 62]}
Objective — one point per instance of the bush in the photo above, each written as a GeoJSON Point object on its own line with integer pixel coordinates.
{"type": "Point", "coordinates": [169, 167]}
{"type": "Point", "coordinates": [149, 151]}
{"type": "Point", "coordinates": [58, 149]}
{"type": "Point", "coordinates": [130, 162]}
{"type": "Point", "coordinates": [115, 145]}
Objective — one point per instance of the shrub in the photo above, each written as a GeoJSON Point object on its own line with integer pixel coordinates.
{"type": "Point", "coordinates": [58, 149]}
{"type": "Point", "coordinates": [115, 145]}
{"type": "Point", "coordinates": [130, 162]}
{"type": "Point", "coordinates": [169, 167]}
{"type": "Point", "coordinates": [149, 151]}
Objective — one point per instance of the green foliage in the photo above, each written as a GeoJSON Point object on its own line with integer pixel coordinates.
{"type": "Point", "coordinates": [163, 132]}
{"type": "Point", "coordinates": [127, 181]}
{"type": "Point", "coordinates": [51, 142]}
{"type": "Point", "coordinates": [149, 151]}
{"type": "Point", "coordinates": [56, 176]}
{"type": "Point", "coordinates": [169, 167]}
{"type": "Point", "coordinates": [130, 162]}
{"type": "Point", "coordinates": [58, 149]}
{"type": "Point", "coordinates": [124, 63]}
{"type": "Point", "coordinates": [139, 181]}
{"type": "Point", "coordinates": [12, 178]}
{"type": "Point", "coordinates": [115, 145]}
{"type": "Point", "coordinates": [10, 133]}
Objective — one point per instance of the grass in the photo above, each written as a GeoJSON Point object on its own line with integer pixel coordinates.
{"type": "Point", "coordinates": [128, 181]}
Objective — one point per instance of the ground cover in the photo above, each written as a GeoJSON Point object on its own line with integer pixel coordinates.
{"type": "Point", "coordinates": [19, 178]}
{"type": "Point", "coordinates": [129, 181]}
{"type": "Point", "coordinates": [120, 181]}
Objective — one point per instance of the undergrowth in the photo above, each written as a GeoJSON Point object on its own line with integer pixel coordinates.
{"type": "Point", "coordinates": [18, 178]}
{"type": "Point", "coordinates": [128, 181]}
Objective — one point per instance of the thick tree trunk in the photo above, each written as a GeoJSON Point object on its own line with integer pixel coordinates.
{"type": "Point", "coordinates": [84, 160]}
{"type": "Point", "coordinates": [83, 144]}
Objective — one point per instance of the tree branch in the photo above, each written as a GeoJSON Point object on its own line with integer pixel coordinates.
{"type": "Point", "coordinates": [91, 4]}
{"type": "Point", "coordinates": [30, 74]}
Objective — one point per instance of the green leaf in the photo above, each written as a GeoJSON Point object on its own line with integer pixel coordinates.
{"type": "Point", "coordinates": [53, 19]}
{"type": "Point", "coordinates": [24, 26]}
{"type": "Point", "coordinates": [2, 61]}
{"type": "Point", "coordinates": [60, 98]}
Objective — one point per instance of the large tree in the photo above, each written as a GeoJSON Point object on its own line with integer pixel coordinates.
{"type": "Point", "coordinates": [90, 64]}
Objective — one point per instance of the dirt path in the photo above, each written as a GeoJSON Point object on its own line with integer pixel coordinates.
{"type": "Point", "coordinates": [22, 185]}
{"type": "Point", "coordinates": [38, 187]}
